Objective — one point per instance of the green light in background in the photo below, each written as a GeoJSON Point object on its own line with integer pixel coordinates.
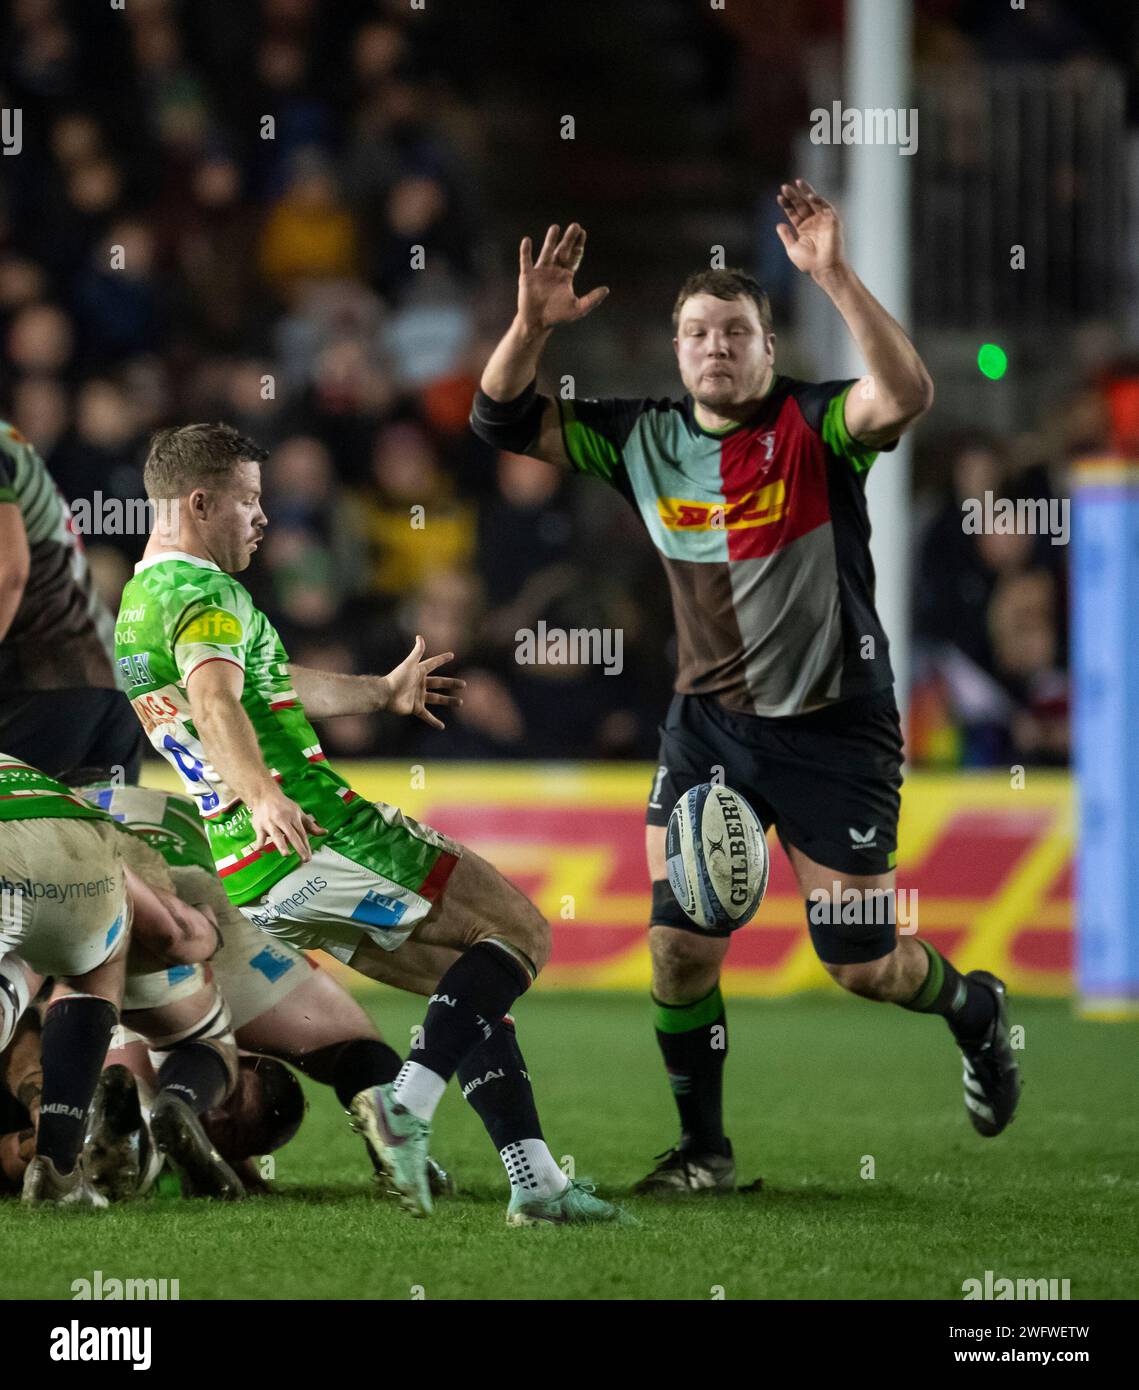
{"type": "Point", "coordinates": [993, 361]}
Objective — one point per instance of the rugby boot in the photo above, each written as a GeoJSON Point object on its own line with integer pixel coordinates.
{"type": "Point", "coordinates": [576, 1205]}
{"type": "Point", "coordinates": [178, 1133]}
{"type": "Point", "coordinates": [44, 1185]}
{"type": "Point", "coordinates": [112, 1155]}
{"type": "Point", "coordinates": [398, 1139]}
{"type": "Point", "coordinates": [681, 1173]}
{"type": "Point", "coordinates": [991, 1074]}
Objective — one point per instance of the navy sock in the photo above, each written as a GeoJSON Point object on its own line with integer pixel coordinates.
{"type": "Point", "coordinates": [197, 1074]}
{"type": "Point", "coordinates": [351, 1067]}
{"type": "Point", "coordinates": [693, 1040]}
{"type": "Point", "coordinates": [495, 1081]}
{"type": "Point", "coordinates": [482, 984]}
{"type": "Point", "coordinates": [968, 1007]}
{"type": "Point", "coordinates": [76, 1034]}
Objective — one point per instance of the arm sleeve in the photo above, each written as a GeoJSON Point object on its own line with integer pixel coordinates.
{"type": "Point", "coordinates": [824, 409]}
{"type": "Point", "coordinates": [216, 627]}
{"type": "Point", "coordinates": [594, 433]}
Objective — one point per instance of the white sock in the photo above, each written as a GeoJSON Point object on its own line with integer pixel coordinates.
{"type": "Point", "coordinates": [419, 1089]}
{"type": "Point", "coordinates": [531, 1169]}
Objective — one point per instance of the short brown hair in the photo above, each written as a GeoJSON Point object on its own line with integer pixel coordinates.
{"type": "Point", "coordinates": [725, 284]}
{"type": "Point", "coordinates": [190, 456]}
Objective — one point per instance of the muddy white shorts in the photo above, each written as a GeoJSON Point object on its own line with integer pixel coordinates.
{"type": "Point", "coordinates": [63, 903]}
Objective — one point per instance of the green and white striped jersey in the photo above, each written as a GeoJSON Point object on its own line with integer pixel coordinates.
{"type": "Point", "coordinates": [28, 794]}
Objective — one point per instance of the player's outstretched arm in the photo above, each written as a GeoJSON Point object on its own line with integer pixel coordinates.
{"type": "Point", "coordinates": [408, 689]}
{"type": "Point", "coordinates": [508, 413]}
{"type": "Point", "coordinates": [231, 746]}
{"type": "Point", "coordinates": [897, 389]}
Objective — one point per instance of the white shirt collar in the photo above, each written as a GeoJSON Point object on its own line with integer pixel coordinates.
{"type": "Point", "coordinates": [175, 555]}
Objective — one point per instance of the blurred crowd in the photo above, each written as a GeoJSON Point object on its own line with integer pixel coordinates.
{"type": "Point", "coordinates": [316, 281]}
{"type": "Point", "coordinates": [271, 212]}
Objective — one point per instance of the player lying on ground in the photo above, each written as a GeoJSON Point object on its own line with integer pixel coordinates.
{"type": "Point", "coordinates": [211, 683]}
{"type": "Point", "coordinates": [281, 1004]}
{"type": "Point", "coordinates": [257, 993]}
{"type": "Point", "coordinates": [752, 487]}
{"type": "Point", "coordinates": [66, 907]}
{"type": "Point", "coordinates": [120, 1157]}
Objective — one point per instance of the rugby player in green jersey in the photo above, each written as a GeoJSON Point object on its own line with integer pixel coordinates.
{"type": "Point", "coordinates": [752, 488]}
{"type": "Point", "coordinates": [304, 856]}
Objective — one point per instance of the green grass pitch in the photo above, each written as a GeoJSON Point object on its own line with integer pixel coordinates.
{"type": "Point", "coordinates": [815, 1085]}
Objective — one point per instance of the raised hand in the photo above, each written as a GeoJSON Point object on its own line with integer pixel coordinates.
{"type": "Point", "coordinates": [812, 234]}
{"type": "Point", "coordinates": [411, 687]}
{"type": "Point", "coordinates": [545, 286]}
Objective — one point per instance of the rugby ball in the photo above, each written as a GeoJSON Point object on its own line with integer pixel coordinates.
{"type": "Point", "coordinates": [717, 857]}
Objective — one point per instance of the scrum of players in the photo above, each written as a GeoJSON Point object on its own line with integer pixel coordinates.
{"type": "Point", "coordinates": [151, 1015]}
{"type": "Point", "coordinates": [110, 907]}
{"type": "Point", "coordinates": [210, 1008]}
{"type": "Point", "coordinates": [207, 1009]}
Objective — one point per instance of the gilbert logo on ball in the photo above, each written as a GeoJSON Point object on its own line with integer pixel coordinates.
{"type": "Point", "coordinates": [717, 857]}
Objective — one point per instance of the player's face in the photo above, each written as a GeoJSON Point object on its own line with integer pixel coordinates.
{"type": "Point", "coordinates": [232, 521]}
{"type": "Point", "coordinates": [725, 357]}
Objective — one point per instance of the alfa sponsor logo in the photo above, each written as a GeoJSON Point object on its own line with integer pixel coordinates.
{"type": "Point", "coordinates": [215, 625]}
{"type": "Point", "coordinates": [760, 508]}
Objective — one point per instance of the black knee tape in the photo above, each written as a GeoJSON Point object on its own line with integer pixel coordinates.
{"type": "Point", "coordinates": [850, 943]}
{"type": "Point", "coordinates": [667, 912]}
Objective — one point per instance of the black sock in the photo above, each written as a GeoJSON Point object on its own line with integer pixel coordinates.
{"type": "Point", "coordinates": [494, 1080]}
{"type": "Point", "coordinates": [693, 1040]}
{"type": "Point", "coordinates": [351, 1067]}
{"type": "Point", "coordinates": [482, 984]}
{"type": "Point", "coordinates": [76, 1034]}
{"type": "Point", "coordinates": [196, 1073]}
{"type": "Point", "coordinates": [968, 1007]}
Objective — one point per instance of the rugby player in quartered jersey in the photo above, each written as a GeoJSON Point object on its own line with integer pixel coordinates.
{"type": "Point", "coordinates": [59, 705]}
{"type": "Point", "coordinates": [752, 488]}
{"type": "Point", "coordinates": [305, 857]}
